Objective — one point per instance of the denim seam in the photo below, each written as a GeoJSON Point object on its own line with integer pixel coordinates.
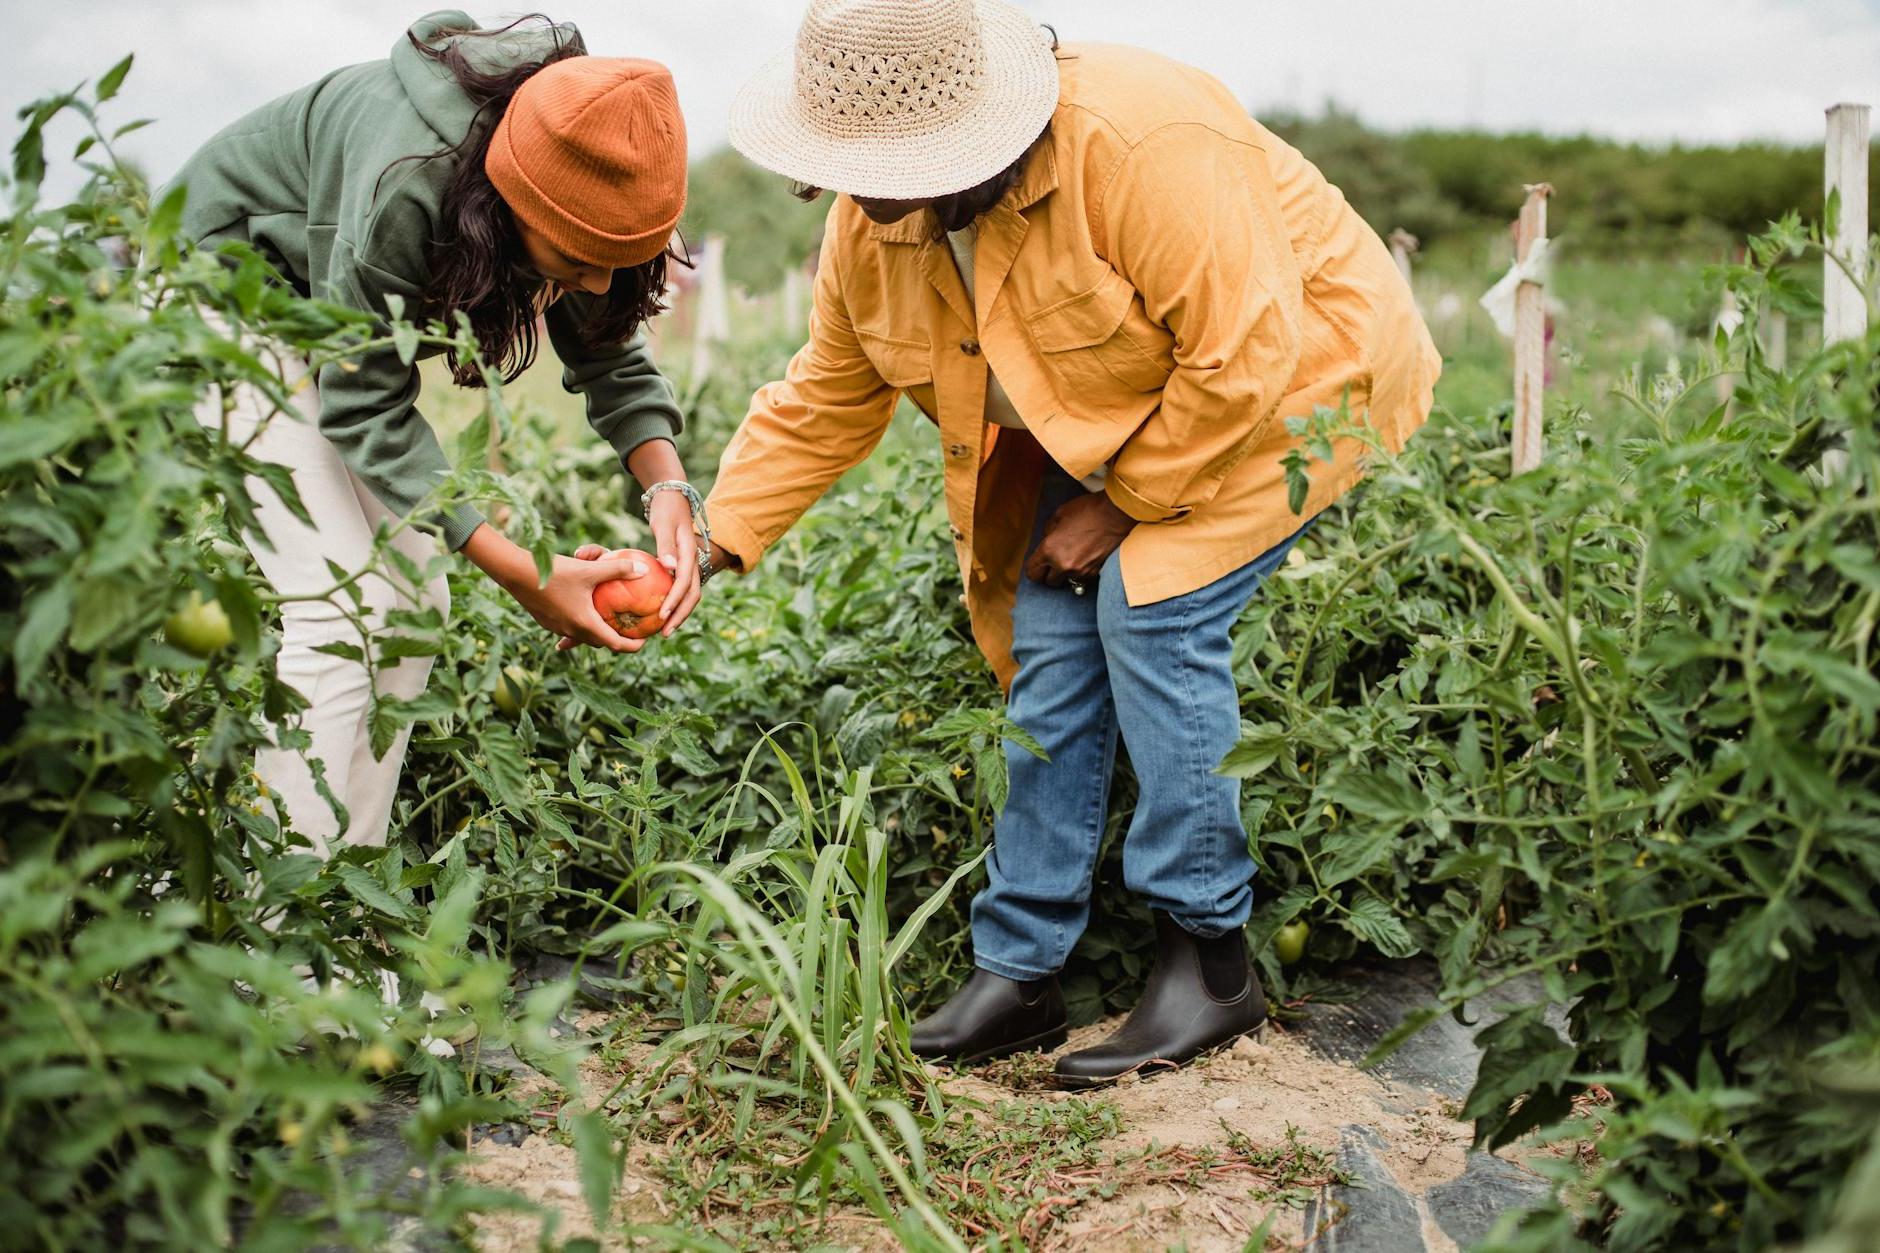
{"type": "Point", "coordinates": [1093, 827]}
{"type": "Point", "coordinates": [1195, 765]}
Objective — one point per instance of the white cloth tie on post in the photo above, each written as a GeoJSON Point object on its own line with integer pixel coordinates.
{"type": "Point", "coordinates": [1499, 299]}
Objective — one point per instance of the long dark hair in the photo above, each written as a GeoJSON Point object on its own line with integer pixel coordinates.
{"type": "Point", "coordinates": [478, 264]}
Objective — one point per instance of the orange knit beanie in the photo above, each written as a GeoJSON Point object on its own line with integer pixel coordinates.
{"type": "Point", "coordinates": [591, 153]}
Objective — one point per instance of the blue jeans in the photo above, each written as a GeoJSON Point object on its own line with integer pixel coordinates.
{"type": "Point", "coordinates": [1161, 674]}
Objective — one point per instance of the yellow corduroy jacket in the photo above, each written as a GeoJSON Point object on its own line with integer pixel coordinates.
{"type": "Point", "coordinates": [1167, 283]}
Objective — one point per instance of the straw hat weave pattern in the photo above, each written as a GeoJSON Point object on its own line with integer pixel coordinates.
{"type": "Point", "coordinates": [900, 99]}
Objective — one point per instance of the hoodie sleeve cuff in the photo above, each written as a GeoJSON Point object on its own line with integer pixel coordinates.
{"type": "Point", "coordinates": [639, 429]}
{"type": "Point", "coordinates": [457, 525]}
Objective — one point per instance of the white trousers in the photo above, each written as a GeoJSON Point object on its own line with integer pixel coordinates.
{"type": "Point", "coordinates": [293, 556]}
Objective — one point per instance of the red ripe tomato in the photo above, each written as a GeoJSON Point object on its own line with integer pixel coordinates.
{"type": "Point", "coordinates": [631, 606]}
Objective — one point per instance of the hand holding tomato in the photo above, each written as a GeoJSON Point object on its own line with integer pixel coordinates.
{"type": "Point", "coordinates": [670, 516]}
{"type": "Point", "coordinates": [566, 603]}
{"type": "Point", "coordinates": [1078, 539]}
{"type": "Point", "coordinates": [634, 606]}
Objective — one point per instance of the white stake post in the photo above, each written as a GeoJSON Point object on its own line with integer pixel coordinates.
{"type": "Point", "coordinates": [1844, 295]}
{"type": "Point", "coordinates": [796, 298]}
{"type": "Point", "coordinates": [711, 323]}
{"type": "Point", "coordinates": [1403, 246]}
{"type": "Point", "coordinates": [1729, 318]}
{"type": "Point", "coordinates": [1775, 328]}
{"type": "Point", "coordinates": [1844, 300]}
{"type": "Point", "coordinates": [1530, 336]}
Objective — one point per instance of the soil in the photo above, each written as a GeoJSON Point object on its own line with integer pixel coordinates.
{"type": "Point", "coordinates": [1261, 1088]}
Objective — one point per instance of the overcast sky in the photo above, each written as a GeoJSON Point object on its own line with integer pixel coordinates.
{"type": "Point", "coordinates": [1646, 69]}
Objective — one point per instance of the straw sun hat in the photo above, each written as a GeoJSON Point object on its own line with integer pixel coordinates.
{"type": "Point", "coordinates": [900, 99]}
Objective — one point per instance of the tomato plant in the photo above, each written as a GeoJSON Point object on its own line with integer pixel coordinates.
{"type": "Point", "coordinates": [1604, 724]}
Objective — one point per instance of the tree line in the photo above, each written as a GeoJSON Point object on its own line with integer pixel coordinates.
{"type": "Point", "coordinates": [1436, 184]}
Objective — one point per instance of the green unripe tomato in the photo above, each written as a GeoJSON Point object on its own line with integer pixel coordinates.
{"type": "Point", "coordinates": [514, 689]}
{"type": "Point", "coordinates": [1289, 943]}
{"type": "Point", "coordinates": [200, 628]}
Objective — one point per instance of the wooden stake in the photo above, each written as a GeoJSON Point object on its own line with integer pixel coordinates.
{"type": "Point", "coordinates": [1403, 246]}
{"type": "Point", "coordinates": [1844, 292]}
{"type": "Point", "coordinates": [1843, 297]}
{"type": "Point", "coordinates": [1530, 335]}
{"type": "Point", "coordinates": [711, 324]}
{"type": "Point", "coordinates": [796, 297]}
{"type": "Point", "coordinates": [1729, 318]}
{"type": "Point", "coordinates": [1775, 335]}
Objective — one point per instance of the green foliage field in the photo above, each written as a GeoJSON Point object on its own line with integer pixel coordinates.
{"type": "Point", "coordinates": [1611, 724]}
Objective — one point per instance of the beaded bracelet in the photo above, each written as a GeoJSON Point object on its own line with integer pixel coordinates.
{"type": "Point", "coordinates": [699, 522]}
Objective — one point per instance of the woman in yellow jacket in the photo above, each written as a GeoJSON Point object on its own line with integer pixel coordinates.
{"type": "Point", "coordinates": [1108, 287]}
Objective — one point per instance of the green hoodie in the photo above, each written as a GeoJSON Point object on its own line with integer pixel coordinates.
{"type": "Point", "coordinates": [315, 181]}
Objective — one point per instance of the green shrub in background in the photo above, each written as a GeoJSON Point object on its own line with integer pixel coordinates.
{"type": "Point", "coordinates": [1607, 194]}
{"type": "Point", "coordinates": [1444, 186]}
{"type": "Point", "coordinates": [769, 230]}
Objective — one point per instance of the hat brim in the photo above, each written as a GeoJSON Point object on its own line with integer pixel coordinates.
{"type": "Point", "coordinates": [1016, 99]}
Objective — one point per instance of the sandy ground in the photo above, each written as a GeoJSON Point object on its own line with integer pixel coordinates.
{"type": "Point", "coordinates": [1260, 1088]}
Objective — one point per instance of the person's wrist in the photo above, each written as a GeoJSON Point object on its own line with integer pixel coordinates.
{"type": "Point", "coordinates": [1115, 519]}
{"type": "Point", "coordinates": [492, 552]}
{"type": "Point", "coordinates": [721, 560]}
{"type": "Point", "coordinates": [653, 460]}
{"type": "Point", "coordinates": [514, 570]}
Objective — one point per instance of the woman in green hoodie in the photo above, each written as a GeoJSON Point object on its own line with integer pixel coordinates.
{"type": "Point", "coordinates": [501, 175]}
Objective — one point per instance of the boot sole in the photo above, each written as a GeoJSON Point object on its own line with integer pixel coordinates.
{"type": "Point", "coordinates": [1043, 1042]}
{"type": "Point", "coordinates": [1153, 1069]}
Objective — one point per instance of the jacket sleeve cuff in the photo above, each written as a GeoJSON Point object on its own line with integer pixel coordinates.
{"type": "Point", "coordinates": [736, 537]}
{"type": "Point", "coordinates": [457, 525]}
{"type": "Point", "coordinates": [1135, 505]}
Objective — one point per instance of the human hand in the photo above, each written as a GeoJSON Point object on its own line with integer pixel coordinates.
{"type": "Point", "coordinates": [1078, 539]}
{"type": "Point", "coordinates": [565, 604]}
{"type": "Point", "coordinates": [677, 545]}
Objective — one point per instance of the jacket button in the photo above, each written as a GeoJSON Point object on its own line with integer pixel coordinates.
{"type": "Point", "coordinates": [956, 450]}
{"type": "Point", "coordinates": [958, 534]}
{"type": "Point", "coordinates": [970, 347]}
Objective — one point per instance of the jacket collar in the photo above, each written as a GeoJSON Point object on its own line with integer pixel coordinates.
{"type": "Point", "coordinates": [1039, 180]}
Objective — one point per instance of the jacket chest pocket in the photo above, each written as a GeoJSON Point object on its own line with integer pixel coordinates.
{"type": "Point", "coordinates": [902, 363]}
{"type": "Point", "coordinates": [1097, 342]}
